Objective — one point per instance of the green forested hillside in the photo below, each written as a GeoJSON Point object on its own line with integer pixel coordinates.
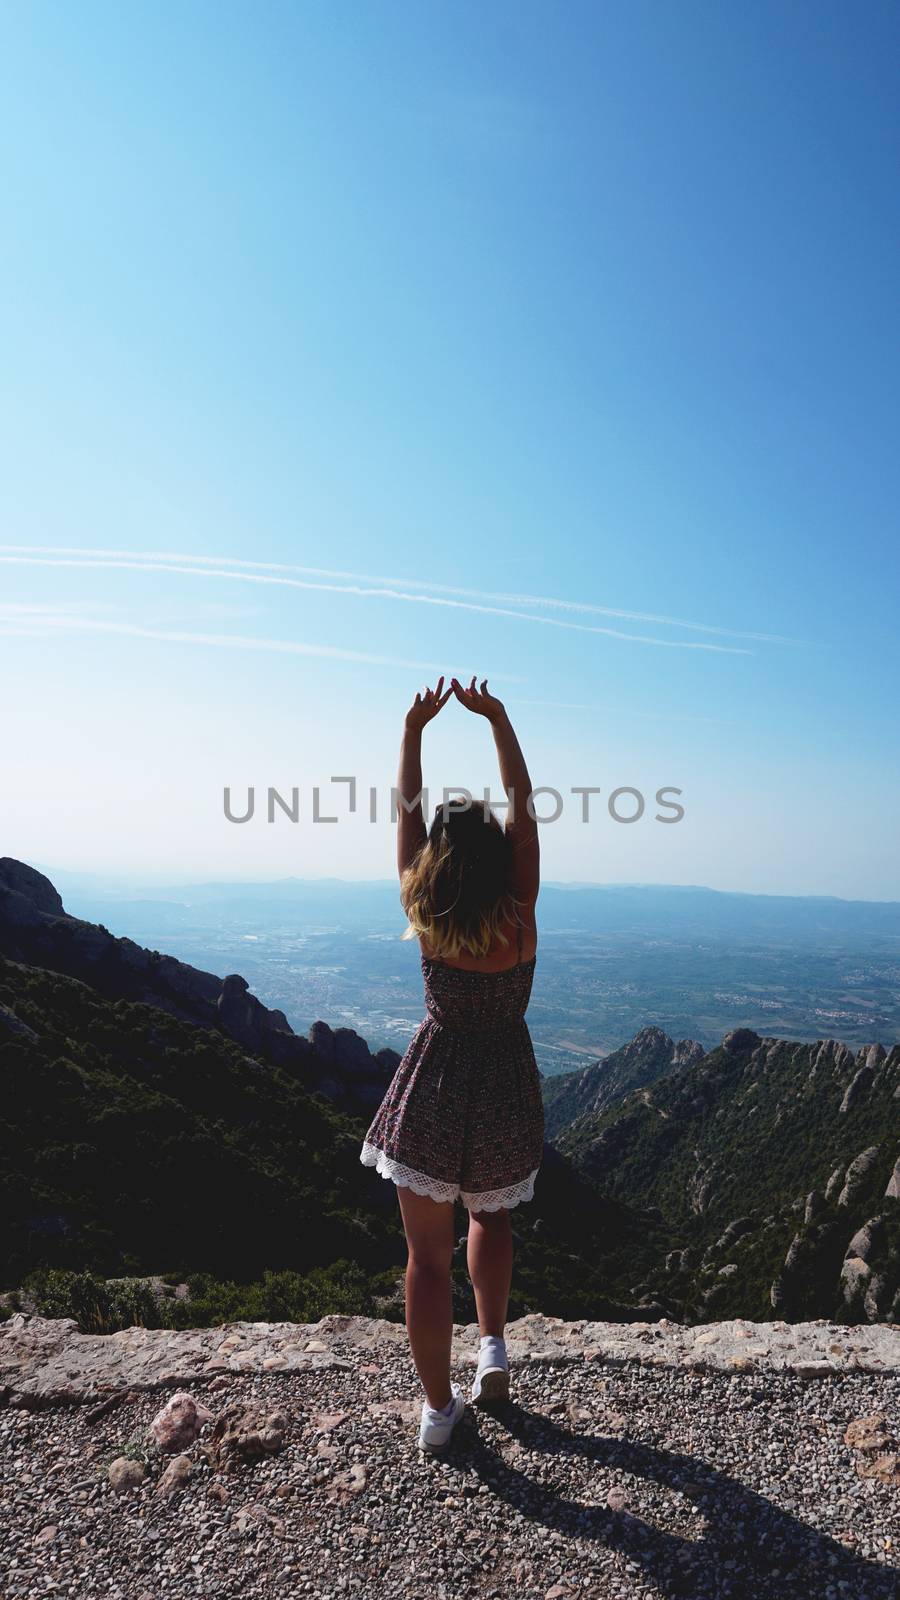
{"type": "Point", "coordinates": [135, 1143]}
{"type": "Point", "coordinates": [747, 1153]}
{"type": "Point", "coordinates": [131, 1141]}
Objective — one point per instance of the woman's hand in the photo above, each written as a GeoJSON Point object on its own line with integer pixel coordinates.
{"type": "Point", "coordinates": [426, 705]}
{"type": "Point", "coordinates": [478, 700]}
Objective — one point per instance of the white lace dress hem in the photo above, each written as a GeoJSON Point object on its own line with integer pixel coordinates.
{"type": "Point", "coordinates": [436, 1189]}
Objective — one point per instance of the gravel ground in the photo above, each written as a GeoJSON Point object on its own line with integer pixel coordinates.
{"type": "Point", "coordinates": [620, 1481]}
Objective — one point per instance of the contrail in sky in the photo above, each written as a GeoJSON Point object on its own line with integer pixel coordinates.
{"type": "Point", "coordinates": [21, 621]}
{"type": "Point", "coordinates": [415, 583]}
{"type": "Point", "coordinates": [362, 586]}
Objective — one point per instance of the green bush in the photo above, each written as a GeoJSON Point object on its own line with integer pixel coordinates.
{"type": "Point", "coordinates": [284, 1296]}
{"type": "Point", "coordinates": [97, 1306]}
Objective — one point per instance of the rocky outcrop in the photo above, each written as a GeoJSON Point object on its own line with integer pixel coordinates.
{"type": "Point", "coordinates": [36, 930]}
{"type": "Point", "coordinates": [593, 1090]}
{"type": "Point", "coordinates": [28, 892]}
{"type": "Point", "coordinates": [834, 1183]}
{"type": "Point", "coordinates": [866, 1239]}
{"type": "Point", "coordinates": [857, 1173]}
{"type": "Point", "coordinates": [740, 1040]}
{"type": "Point", "coordinates": [735, 1231]}
{"type": "Point", "coordinates": [787, 1291]}
{"type": "Point", "coordinates": [12, 1027]}
{"type": "Point", "coordinates": [813, 1206]}
{"type": "Point", "coordinates": [867, 1279]}
{"type": "Point", "coordinates": [348, 1067]}
{"type": "Point", "coordinates": [859, 1083]}
{"type": "Point", "coordinates": [244, 1017]}
{"type": "Point", "coordinates": [796, 1139]}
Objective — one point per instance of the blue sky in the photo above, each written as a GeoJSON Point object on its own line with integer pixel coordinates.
{"type": "Point", "coordinates": [594, 305]}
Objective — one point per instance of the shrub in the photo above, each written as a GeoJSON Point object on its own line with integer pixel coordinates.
{"type": "Point", "coordinates": [97, 1306]}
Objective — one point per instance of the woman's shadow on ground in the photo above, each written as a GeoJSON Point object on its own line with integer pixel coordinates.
{"type": "Point", "coordinates": [748, 1548]}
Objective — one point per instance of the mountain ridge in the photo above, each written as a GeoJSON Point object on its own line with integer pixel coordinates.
{"type": "Point", "coordinates": [779, 1165]}
{"type": "Point", "coordinates": [36, 930]}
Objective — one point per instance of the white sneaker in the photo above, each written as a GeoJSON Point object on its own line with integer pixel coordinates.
{"type": "Point", "coordinates": [436, 1427]}
{"type": "Point", "coordinates": [491, 1385]}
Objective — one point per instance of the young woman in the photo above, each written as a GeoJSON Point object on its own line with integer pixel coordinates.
{"type": "Point", "coordinates": [463, 1117]}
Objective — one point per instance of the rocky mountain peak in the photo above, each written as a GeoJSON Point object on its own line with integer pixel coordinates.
{"type": "Point", "coordinates": [24, 882]}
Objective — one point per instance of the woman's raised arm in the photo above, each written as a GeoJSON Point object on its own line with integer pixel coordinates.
{"type": "Point", "coordinates": [520, 825]}
{"type": "Point", "coordinates": [411, 831]}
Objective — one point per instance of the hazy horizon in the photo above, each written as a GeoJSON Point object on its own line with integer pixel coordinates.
{"type": "Point", "coordinates": [137, 882]}
{"type": "Point", "coordinates": [613, 957]}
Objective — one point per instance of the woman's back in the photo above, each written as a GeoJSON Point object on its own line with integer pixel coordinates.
{"type": "Point", "coordinates": [481, 999]}
{"type": "Point", "coordinates": [520, 945]}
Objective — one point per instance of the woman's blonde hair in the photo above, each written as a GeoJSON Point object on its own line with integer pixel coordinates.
{"type": "Point", "coordinates": [456, 892]}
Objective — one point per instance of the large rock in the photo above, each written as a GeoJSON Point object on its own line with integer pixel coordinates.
{"type": "Point", "coordinates": [34, 892]}
{"type": "Point", "coordinates": [866, 1239]}
{"type": "Point", "coordinates": [855, 1275]}
{"type": "Point", "coordinates": [869, 1433]}
{"type": "Point", "coordinates": [174, 1478]}
{"type": "Point", "coordinates": [179, 1423]}
{"type": "Point", "coordinates": [125, 1473]}
{"type": "Point", "coordinates": [245, 1433]}
{"type": "Point", "coordinates": [815, 1205]}
{"type": "Point", "coordinates": [858, 1086]}
{"type": "Point", "coordinates": [740, 1040]}
{"type": "Point", "coordinates": [857, 1173]}
{"type": "Point", "coordinates": [834, 1182]}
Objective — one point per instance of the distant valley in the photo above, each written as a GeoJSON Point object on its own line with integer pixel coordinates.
{"type": "Point", "coordinates": [613, 959]}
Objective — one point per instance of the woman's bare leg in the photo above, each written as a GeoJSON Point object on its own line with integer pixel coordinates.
{"type": "Point", "coordinates": [490, 1261]}
{"type": "Point", "coordinates": [429, 1297]}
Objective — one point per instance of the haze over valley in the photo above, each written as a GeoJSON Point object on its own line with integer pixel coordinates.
{"type": "Point", "coordinates": [612, 959]}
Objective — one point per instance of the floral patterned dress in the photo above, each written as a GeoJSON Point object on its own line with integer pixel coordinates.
{"type": "Point", "coordinates": [463, 1116]}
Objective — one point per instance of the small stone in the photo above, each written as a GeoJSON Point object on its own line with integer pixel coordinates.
{"type": "Point", "coordinates": [47, 1534]}
{"type": "Point", "coordinates": [868, 1433]}
{"type": "Point", "coordinates": [175, 1477]}
{"type": "Point", "coordinates": [352, 1481]}
{"type": "Point", "coordinates": [327, 1421]}
{"type": "Point", "coordinates": [126, 1474]}
{"type": "Point", "coordinates": [885, 1468]}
